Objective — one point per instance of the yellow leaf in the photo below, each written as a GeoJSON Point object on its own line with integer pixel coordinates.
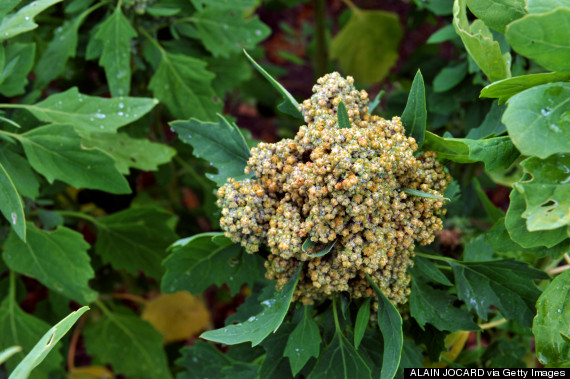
{"type": "Point", "coordinates": [178, 316]}
{"type": "Point", "coordinates": [91, 372]}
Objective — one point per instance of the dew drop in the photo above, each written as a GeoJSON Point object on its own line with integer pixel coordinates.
{"type": "Point", "coordinates": [14, 218]}
{"type": "Point", "coordinates": [258, 32]}
{"type": "Point", "coordinates": [559, 310]}
{"type": "Point", "coordinates": [546, 111]}
{"type": "Point", "coordinates": [92, 119]}
{"type": "Point", "coordinates": [101, 127]}
{"type": "Point", "coordinates": [26, 18]}
{"type": "Point", "coordinates": [226, 26]}
{"type": "Point", "coordinates": [555, 128]}
{"type": "Point", "coordinates": [89, 167]}
{"type": "Point", "coordinates": [121, 105]}
{"type": "Point", "coordinates": [120, 113]}
{"type": "Point", "coordinates": [100, 115]}
{"type": "Point", "coordinates": [252, 318]}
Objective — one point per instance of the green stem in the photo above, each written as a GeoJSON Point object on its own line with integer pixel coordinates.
{"type": "Point", "coordinates": [321, 56]}
{"type": "Point", "coordinates": [435, 257]}
{"type": "Point", "coordinates": [336, 323]}
{"type": "Point", "coordinates": [12, 135]}
{"type": "Point", "coordinates": [78, 215]}
{"type": "Point", "coordinates": [103, 308]}
{"type": "Point", "coordinates": [441, 267]}
{"type": "Point", "coordinates": [12, 286]}
{"type": "Point", "coordinates": [351, 5]}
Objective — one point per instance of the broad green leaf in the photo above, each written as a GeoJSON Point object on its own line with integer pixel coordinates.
{"type": "Point", "coordinates": [412, 357]}
{"type": "Point", "coordinates": [131, 345]}
{"type": "Point", "coordinates": [19, 59]}
{"type": "Point", "coordinates": [517, 228]}
{"type": "Point", "coordinates": [19, 170]}
{"type": "Point", "coordinates": [479, 43]}
{"type": "Point", "coordinates": [342, 117]}
{"type": "Point", "coordinates": [362, 320]}
{"type": "Point", "coordinates": [431, 271]}
{"type": "Point", "coordinates": [543, 38]}
{"type": "Point", "coordinates": [444, 34]}
{"type": "Point", "coordinates": [289, 104]}
{"type": "Point", "coordinates": [541, 113]}
{"type": "Point", "coordinates": [367, 46]}
{"type": "Point", "coordinates": [543, 6]}
{"type": "Point", "coordinates": [508, 285]}
{"type": "Point", "coordinates": [115, 34]}
{"type": "Point", "coordinates": [497, 14]}
{"type": "Point", "coordinates": [437, 7]}
{"type": "Point", "coordinates": [498, 152]}
{"type": "Point", "coordinates": [504, 89]}
{"type": "Point", "coordinates": [57, 259]}
{"type": "Point", "coordinates": [547, 194]}
{"type": "Point", "coordinates": [449, 77]}
{"type": "Point", "coordinates": [55, 151]}
{"type": "Point", "coordinates": [235, 69]}
{"type": "Point", "coordinates": [202, 360]}
{"type": "Point", "coordinates": [414, 116]}
{"type": "Point", "coordinates": [46, 344]}
{"type": "Point", "coordinates": [491, 125]}
{"type": "Point", "coordinates": [478, 249]}
{"type": "Point", "coordinates": [303, 343]}
{"type": "Point", "coordinates": [256, 328]}
{"type": "Point", "coordinates": [435, 306]}
{"type": "Point", "coordinates": [220, 143]}
{"type": "Point", "coordinates": [135, 239]}
{"type": "Point", "coordinates": [390, 323]}
{"type": "Point", "coordinates": [90, 113]}
{"type": "Point", "coordinates": [492, 211]}
{"type": "Point", "coordinates": [276, 364]}
{"type": "Point", "coordinates": [340, 360]}
{"type": "Point", "coordinates": [224, 31]}
{"type": "Point", "coordinates": [7, 353]}
{"type": "Point", "coordinates": [197, 262]}
{"type": "Point", "coordinates": [185, 85]}
{"type": "Point", "coordinates": [22, 329]}
{"type": "Point", "coordinates": [418, 193]}
{"type": "Point", "coordinates": [551, 328]}
{"type": "Point", "coordinates": [129, 152]}
{"type": "Point", "coordinates": [11, 203]}
{"type": "Point", "coordinates": [23, 20]}
{"type": "Point", "coordinates": [262, 290]}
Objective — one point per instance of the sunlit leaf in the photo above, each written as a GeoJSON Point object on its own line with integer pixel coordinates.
{"type": "Point", "coordinates": [23, 20]}
{"type": "Point", "coordinates": [504, 89]}
{"type": "Point", "coordinates": [497, 14]}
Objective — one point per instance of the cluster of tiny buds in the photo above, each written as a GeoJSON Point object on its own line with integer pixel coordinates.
{"type": "Point", "coordinates": [341, 186]}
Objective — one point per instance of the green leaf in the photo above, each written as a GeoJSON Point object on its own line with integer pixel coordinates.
{"type": "Point", "coordinates": [497, 14]}
{"type": "Point", "coordinates": [449, 77]}
{"type": "Point", "coordinates": [308, 245]}
{"type": "Point", "coordinates": [412, 357]}
{"type": "Point", "coordinates": [414, 116]}
{"type": "Point", "coordinates": [224, 31]}
{"type": "Point", "coordinates": [197, 262]}
{"type": "Point", "coordinates": [492, 211]}
{"type": "Point", "coordinates": [435, 306]}
{"type": "Point", "coordinates": [220, 143]}
{"type": "Point", "coordinates": [115, 34]}
{"type": "Point", "coordinates": [543, 38]}
{"type": "Point", "coordinates": [19, 59]}
{"type": "Point", "coordinates": [7, 353]}
{"type": "Point", "coordinates": [505, 89]}
{"type": "Point", "coordinates": [479, 43]}
{"type": "Point", "coordinates": [551, 324]}
{"type": "Point", "coordinates": [431, 271]}
{"type": "Point", "coordinates": [547, 194]}
{"type": "Point", "coordinates": [362, 320]}
{"type": "Point", "coordinates": [498, 152]}
{"type": "Point", "coordinates": [542, 114]}
{"type": "Point", "coordinates": [491, 125]}
{"type": "Point", "coordinates": [131, 345]}
{"type": "Point", "coordinates": [256, 328]}
{"type": "Point", "coordinates": [90, 113]}
{"type": "Point", "coordinates": [7, 5]}
{"type": "Point", "coordinates": [46, 344]}
{"type": "Point", "coordinates": [55, 151]}
{"type": "Point", "coordinates": [303, 343]}
{"type": "Point", "coordinates": [20, 172]}
{"type": "Point", "coordinates": [367, 46]}
{"type": "Point", "coordinates": [202, 360]}
{"type": "Point", "coordinates": [236, 70]}
{"type": "Point", "coordinates": [478, 250]}
{"type": "Point", "coordinates": [508, 285]}
{"type": "Point", "coordinates": [446, 33]}
{"type": "Point", "coordinates": [374, 103]}
{"type": "Point", "coordinates": [340, 360]}
{"type": "Point", "coordinates": [276, 365]}
{"type": "Point", "coordinates": [342, 116]}
{"type": "Point", "coordinates": [129, 152]}
{"type": "Point", "coordinates": [418, 193]}
{"type": "Point", "coordinates": [223, 4]}
{"type": "Point", "coordinates": [543, 6]}
{"type": "Point", "coordinates": [11, 203]}
{"type": "Point", "coordinates": [135, 239]}
{"type": "Point", "coordinates": [517, 228]}
{"type": "Point", "coordinates": [185, 85]}
{"type": "Point", "coordinates": [58, 259]}
{"type": "Point", "coordinates": [289, 104]}
{"type": "Point", "coordinates": [23, 20]}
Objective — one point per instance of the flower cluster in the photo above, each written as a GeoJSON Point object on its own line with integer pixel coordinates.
{"type": "Point", "coordinates": [341, 186]}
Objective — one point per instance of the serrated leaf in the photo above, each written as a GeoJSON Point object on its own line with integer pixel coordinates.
{"type": "Point", "coordinates": [131, 345]}
{"type": "Point", "coordinates": [220, 143]}
{"type": "Point", "coordinates": [478, 250]}
{"type": "Point", "coordinates": [135, 239]}
{"type": "Point", "coordinates": [23, 20]}
{"type": "Point", "coordinates": [497, 14]}
{"type": "Point", "coordinates": [276, 365]}
{"type": "Point", "coordinates": [547, 193]}
{"type": "Point", "coordinates": [129, 152]}
{"type": "Point", "coordinates": [224, 31]}
{"type": "Point", "coordinates": [541, 113]}
{"type": "Point", "coordinates": [11, 203]}
{"type": "Point", "coordinates": [517, 227]}
{"type": "Point", "coordinates": [367, 46]}
{"type": "Point", "coordinates": [236, 71]}
{"type": "Point", "coordinates": [543, 38]}
{"type": "Point", "coordinates": [90, 113]}
{"type": "Point", "coordinates": [479, 43]}
{"type": "Point", "coordinates": [20, 172]}
{"type": "Point", "coordinates": [342, 116]}
{"type": "Point", "coordinates": [418, 193]}
{"type": "Point", "coordinates": [55, 151]}
{"type": "Point", "coordinates": [505, 89]}
{"type": "Point", "coordinates": [431, 271]}
{"type": "Point", "coordinates": [197, 262]}
{"type": "Point", "coordinates": [58, 259]}
{"type": "Point", "coordinates": [508, 285]}
{"type": "Point", "coordinates": [289, 104]}
{"type": "Point", "coordinates": [19, 59]}
{"type": "Point", "coordinates": [256, 328]}
{"type": "Point", "coordinates": [115, 34]}
{"type": "Point", "coordinates": [551, 328]}
{"type": "Point", "coordinates": [46, 344]}
{"type": "Point", "coordinates": [414, 116]}
{"type": "Point", "coordinates": [435, 306]}
{"type": "Point", "coordinates": [303, 342]}
{"type": "Point", "coordinates": [362, 320]}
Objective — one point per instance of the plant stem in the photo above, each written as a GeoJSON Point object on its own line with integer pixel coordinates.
{"type": "Point", "coordinates": [567, 258]}
{"type": "Point", "coordinates": [78, 215]}
{"type": "Point", "coordinates": [130, 297]}
{"type": "Point", "coordinates": [336, 324]}
{"type": "Point", "coordinates": [351, 5]}
{"type": "Point", "coordinates": [321, 56]}
{"type": "Point", "coordinates": [558, 270]}
{"type": "Point", "coordinates": [490, 325]}
{"type": "Point", "coordinates": [103, 307]}
{"type": "Point", "coordinates": [435, 257]}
